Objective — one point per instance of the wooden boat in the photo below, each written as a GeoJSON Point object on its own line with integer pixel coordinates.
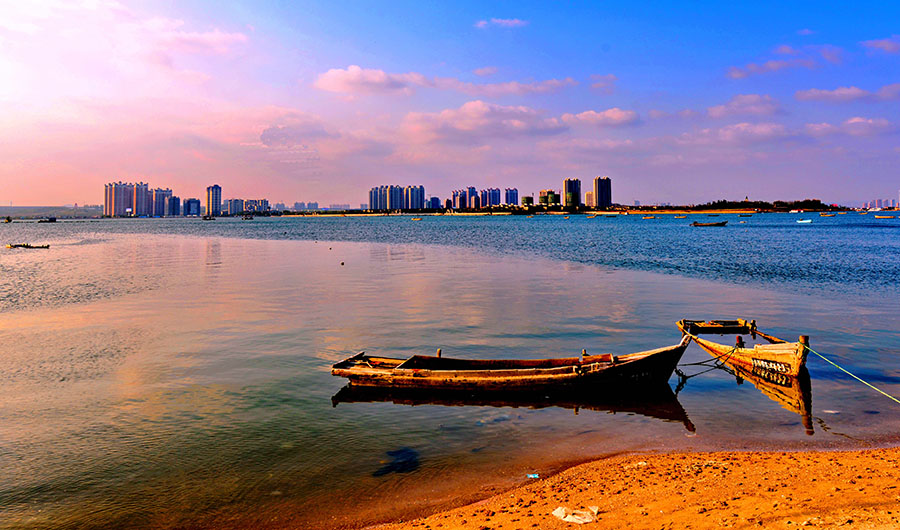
{"type": "Point", "coordinates": [247, 217]}
{"type": "Point", "coordinates": [884, 217]}
{"type": "Point", "coordinates": [653, 401]}
{"type": "Point", "coordinates": [529, 216]}
{"type": "Point", "coordinates": [25, 245]}
{"type": "Point", "coordinates": [720, 223]}
{"type": "Point", "coordinates": [712, 215]}
{"type": "Point", "coordinates": [745, 215]}
{"type": "Point", "coordinates": [416, 219]}
{"type": "Point", "coordinates": [680, 217]}
{"type": "Point", "coordinates": [208, 218]}
{"type": "Point", "coordinates": [435, 372]}
{"type": "Point", "coordinates": [565, 217]}
{"type": "Point", "coordinates": [778, 356]}
{"type": "Point", "coordinates": [826, 215]}
{"type": "Point", "coordinates": [792, 393]}
{"type": "Point", "coordinates": [591, 216]}
{"type": "Point", "coordinates": [649, 217]}
{"type": "Point", "coordinates": [863, 213]}
{"type": "Point", "coordinates": [842, 213]}
{"type": "Point", "coordinates": [804, 221]}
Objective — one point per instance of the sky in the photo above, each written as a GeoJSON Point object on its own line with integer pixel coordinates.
{"type": "Point", "coordinates": [319, 101]}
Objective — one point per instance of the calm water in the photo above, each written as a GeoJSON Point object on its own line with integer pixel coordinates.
{"type": "Point", "coordinates": [172, 373]}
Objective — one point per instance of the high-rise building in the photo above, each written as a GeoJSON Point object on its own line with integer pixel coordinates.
{"type": "Point", "coordinates": [548, 198]}
{"type": "Point", "coordinates": [143, 200]}
{"type": "Point", "coordinates": [528, 200]}
{"type": "Point", "coordinates": [414, 197]}
{"type": "Point", "coordinates": [572, 192]}
{"type": "Point", "coordinates": [602, 192]}
{"type": "Point", "coordinates": [214, 200]}
{"type": "Point", "coordinates": [160, 201]}
{"type": "Point", "coordinates": [312, 205]}
{"type": "Point", "coordinates": [234, 206]}
{"type": "Point", "coordinates": [300, 206]}
{"type": "Point", "coordinates": [191, 208]}
{"type": "Point", "coordinates": [434, 203]}
{"type": "Point", "coordinates": [589, 199]}
{"type": "Point", "coordinates": [118, 199]}
{"type": "Point", "coordinates": [471, 196]}
{"type": "Point", "coordinates": [173, 206]}
{"type": "Point", "coordinates": [511, 196]}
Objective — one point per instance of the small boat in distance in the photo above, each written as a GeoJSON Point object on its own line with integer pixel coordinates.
{"type": "Point", "coordinates": [778, 356]}
{"type": "Point", "coordinates": [826, 215]}
{"type": "Point", "coordinates": [720, 223]}
{"type": "Point", "coordinates": [529, 216]}
{"type": "Point", "coordinates": [680, 217]}
{"type": "Point", "coordinates": [712, 215]}
{"type": "Point", "coordinates": [863, 213]}
{"type": "Point", "coordinates": [649, 217]}
{"type": "Point", "coordinates": [416, 219]}
{"type": "Point", "coordinates": [804, 221]}
{"type": "Point", "coordinates": [565, 217]}
{"type": "Point", "coordinates": [884, 217]}
{"type": "Point", "coordinates": [745, 215]}
{"type": "Point", "coordinates": [247, 217]}
{"type": "Point", "coordinates": [436, 372]}
{"type": "Point", "coordinates": [209, 218]}
{"type": "Point", "coordinates": [25, 245]}
{"type": "Point", "coordinates": [591, 216]}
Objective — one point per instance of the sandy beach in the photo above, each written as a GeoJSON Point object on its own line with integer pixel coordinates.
{"type": "Point", "coordinates": [852, 489]}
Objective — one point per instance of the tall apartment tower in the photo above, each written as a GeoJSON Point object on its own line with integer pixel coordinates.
{"type": "Point", "coordinates": [118, 199]}
{"type": "Point", "coordinates": [603, 192]}
{"type": "Point", "coordinates": [511, 196]}
{"type": "Point", "coordinates": [160, 201]}
{"type": "Point", "coordinates": [143, 200]}
{"type": "Point", "coordinates": [214, 200]}
{"type": "Point", "coordinates": [572, 192]}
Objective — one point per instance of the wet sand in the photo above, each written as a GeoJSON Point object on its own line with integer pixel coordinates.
{"type": "Point", "coordinates": [846, 489]}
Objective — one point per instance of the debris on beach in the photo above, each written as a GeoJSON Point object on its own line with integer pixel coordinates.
{"type": "Point", "coordinates": [576, 516]}
{"type": "Point", "coordinates": [532, 475]}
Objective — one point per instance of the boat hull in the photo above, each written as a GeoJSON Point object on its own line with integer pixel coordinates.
{"type": "Point", "coordinates": [784, 358]}
{"type": "Point", "coordinates": [652, 366]}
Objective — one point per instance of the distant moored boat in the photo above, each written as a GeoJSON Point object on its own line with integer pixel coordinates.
{"type": "Point", "coordinates": [720, 223]}
{"type": "Point", "coordinates": [804, 221]}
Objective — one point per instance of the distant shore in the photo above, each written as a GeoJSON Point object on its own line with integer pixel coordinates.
{"type": "Point", "coordinates": [853, 489]}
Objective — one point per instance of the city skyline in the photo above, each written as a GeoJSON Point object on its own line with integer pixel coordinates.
{"type": "Point", "coordinates": [723, 101]}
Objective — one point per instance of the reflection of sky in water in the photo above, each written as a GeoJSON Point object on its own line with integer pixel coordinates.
{"type": "Point", "coordinates": [196, 386]}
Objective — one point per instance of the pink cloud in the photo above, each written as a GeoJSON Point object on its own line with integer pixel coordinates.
{"type": "Point", "coordinates": [613, 117]}
{"type": "Point", "coordinates": [502, 22]}
{"type": "Point", "coordinates": [171, 38]}
{"type": "Point", "coordinates": [805, 32]}
{"type": "Point", "coordinates": [888, 45]}
{"type": "Point", "coordinates": [485, 71]}
{"type": "Point", "coordinates": [785, 49]}
{"type": "Point", "coordinates": [356, 80]}
{"type": "Point", "coordinates": [736, 72]}
{"type": "Point", "coordinates": [605, 84]}
{"type": "Point", "coordinates": [746, 104]}
{"type": "Point", "coordinates": [737, 134]}
{"type": "Point", "coordinates": [476, 121]}
{"type": "Point", "coordinates": [686, 114]}
{"type": "Point", "coordinates": [832, 54]}
{"type": "Point", "coordinates": [858, 126]}
{"type": "Point", "coordinates": [851, 93]}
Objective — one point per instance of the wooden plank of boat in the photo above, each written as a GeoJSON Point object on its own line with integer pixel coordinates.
{"type": "Point", "coordinates": [884, 217]}
{"type": "Point", "coordinates": [654, 401]}
{"type": "Point", "coordinates": [779, 356]}
{"type": "Point", "coordinates": [720, 223]}
{"type": "Point", "coordinates": [424, 371]}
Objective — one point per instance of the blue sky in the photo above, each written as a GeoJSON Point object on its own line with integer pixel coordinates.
{"type": "Point", "coordinates": [322, 100]}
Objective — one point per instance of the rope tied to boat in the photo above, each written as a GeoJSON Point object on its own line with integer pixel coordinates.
{"type": "Point", "coordinates": [854, 376]}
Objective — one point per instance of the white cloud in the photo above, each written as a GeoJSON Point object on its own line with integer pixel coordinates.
{"type": "Point", "coordinates": [502, 22]}
{"type": "Point", "coordinates": [736, 72]}
{"type": "Point", "coordinates": [850, 93]}
{"type": "Point", "coordinates": [613, 117]}
{"type": "Point", "coordinates": [476, 121]}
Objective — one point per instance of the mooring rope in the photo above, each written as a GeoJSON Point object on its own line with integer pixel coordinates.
{"type": "Point", "coordinates": [854, 376]}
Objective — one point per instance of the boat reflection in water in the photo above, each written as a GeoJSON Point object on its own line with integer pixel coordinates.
{"type": "Point", "coordinates": [654, 402]}
{"type": "Point", "coordinates": [792, 393]}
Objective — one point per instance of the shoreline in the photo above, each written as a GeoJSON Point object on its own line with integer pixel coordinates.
{"type": "Point", "coordinates": [857, 488]}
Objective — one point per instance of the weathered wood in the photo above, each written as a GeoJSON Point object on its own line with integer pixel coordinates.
{"type": "Point", "coordinates": [441, 372]}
